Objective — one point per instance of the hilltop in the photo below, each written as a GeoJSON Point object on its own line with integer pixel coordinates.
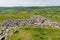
{"type": "Point", "coordinates": [33, 19]}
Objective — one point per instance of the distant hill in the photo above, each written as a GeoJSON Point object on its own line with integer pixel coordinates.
{"type": "Point", "coordinates": [21, 8]}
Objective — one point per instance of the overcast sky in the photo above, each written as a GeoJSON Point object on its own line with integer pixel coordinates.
{"type": "Point", "coordinates": [29, 3]}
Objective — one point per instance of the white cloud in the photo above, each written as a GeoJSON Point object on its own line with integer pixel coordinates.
{"type": "Point", "coordinates": [29, 2]}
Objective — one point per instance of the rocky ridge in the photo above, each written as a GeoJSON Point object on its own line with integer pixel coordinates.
{"type": "Point", "coordinates": [34, 20]}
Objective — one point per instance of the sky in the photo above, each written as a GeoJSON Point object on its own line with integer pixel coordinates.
{"type": "Point", "coordinates": [9, 3]}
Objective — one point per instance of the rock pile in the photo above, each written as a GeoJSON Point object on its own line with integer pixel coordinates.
{"type": "Point", "coordinates": [34, 20]}
{"type": "Point", "coordinates": [4, 33]}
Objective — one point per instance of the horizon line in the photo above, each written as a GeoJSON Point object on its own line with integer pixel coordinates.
{"type": "Point", "coordinates": [24, 6]}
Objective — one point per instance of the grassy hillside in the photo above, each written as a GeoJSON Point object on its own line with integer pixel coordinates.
{"type": "Point", "coordinates": [35, 34]}
{"type": "Point", "coordinates": [22, 15]}
{"type": "Point", "coordinates": [52, 13]}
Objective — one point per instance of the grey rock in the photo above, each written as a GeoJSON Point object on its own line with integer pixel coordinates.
{"type": "Point", "coordinates": [32, 21]}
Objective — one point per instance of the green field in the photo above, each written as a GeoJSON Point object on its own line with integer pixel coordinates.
{"type": "Point", "coordinates": [35, 34]}
{"type": "Point", "coordinates": [4, 17]}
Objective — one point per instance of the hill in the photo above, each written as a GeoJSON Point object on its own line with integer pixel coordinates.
{"type": "Point", "coordinates": [26, 27]}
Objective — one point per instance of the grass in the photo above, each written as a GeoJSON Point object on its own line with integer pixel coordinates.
{"type": "Point", "coordinates": [4, 17]}
{"type": "Point", "coordinates": [35, 34]}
